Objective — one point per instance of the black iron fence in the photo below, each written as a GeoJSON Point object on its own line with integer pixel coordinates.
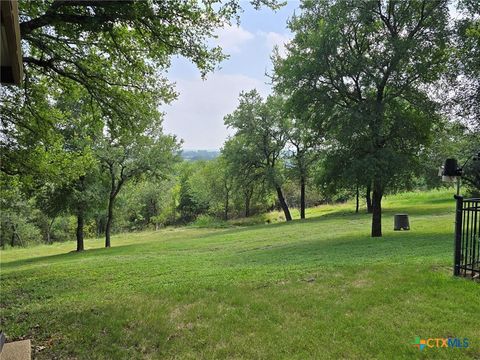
{"type": "Point", "coordinates": [467, 238]}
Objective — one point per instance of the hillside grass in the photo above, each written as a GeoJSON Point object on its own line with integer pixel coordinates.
{"type": "Point", "coordinates": [314, 289]}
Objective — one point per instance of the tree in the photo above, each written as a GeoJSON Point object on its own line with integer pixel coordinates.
{"type": "Point", "coordinates": [305, 137]}
{"type": "Point", "coordinates": [137, 34]}
{"type": "Point", "coordinates": [364, 67]}
{"type": "Point", "coordinates": [465, 66]}
{"type": "Point", "coordinates": [52, 203]}
{"type": "Point", "coordinates": [117, 52]}
{"type": "Point", "coordinates": [247, 177]}
{"type": "Point", "coordinates": [305, 144]}
{"type": "Point", "coordinates": [60, 176]}
{"type": "Point", "coordinates": [222, 183]}
{"type": "Point", "coordinates": [40, 151]}
{"type": "Point", "coordinates": [96, 43]}
{"type": "Point", "coordinates": [469, 155]}
{"type": "Point", "coordinates": [340, 171]}
{"type": "Point", "coordinates": [213, 183]}
{"type": "Point", "coordinates": [261, 132]}
{"type": "Point", "coordinates": [189, 205]}
{"type": "Point", "coordinates": [149, 153]}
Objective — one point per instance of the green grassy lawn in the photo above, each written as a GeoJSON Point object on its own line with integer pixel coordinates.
{"type": "Point", "coordinates": [320, 289]}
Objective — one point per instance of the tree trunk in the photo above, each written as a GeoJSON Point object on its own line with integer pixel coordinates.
{"type": "Point", "coordinates": [114, 190]}
{"type": "Point", "coordinates": [100, 225]}
{"type": "Point", "coordinates": [368, 197]}
{"type": "Point", "coordinates": [357, 203]}
{"type": "Point", "coordinates": [377, 209]}
{"type": "Point", "coordinates": [14, 233]}
{"type": "Point", "coordinates": [247, 205]}
{"type": "Point", "coordinates": [80, 222]}
{"type": "Point", "coordinates": [49, 231]}
{"type": "Point", "coordinates": [174, 210]}
{"type": "Point", "coordinates": [283, 204]}
{"type": "Point", "coordinates": [302, 197]}
{"type": "Point", "coordinates": [108, 227]}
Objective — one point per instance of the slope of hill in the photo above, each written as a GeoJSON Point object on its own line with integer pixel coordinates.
{"type": "Point", "coordinates": [320, 288]}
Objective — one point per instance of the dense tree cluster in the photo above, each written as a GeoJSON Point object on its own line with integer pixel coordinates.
{"type": "Point", "coordinates": [88, 105]}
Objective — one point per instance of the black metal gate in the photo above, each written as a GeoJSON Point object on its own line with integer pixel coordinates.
{"type": "Point", "coordinates": [467, 238]}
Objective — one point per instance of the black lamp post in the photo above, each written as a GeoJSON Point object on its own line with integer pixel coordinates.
{"type": "Point", "coordinates": [452, 172]}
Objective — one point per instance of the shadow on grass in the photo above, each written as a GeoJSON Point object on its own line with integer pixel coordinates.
{"type": "Point", "coordinates": [345, 250]}
{"type": "Point", "coordinates": [71, 255]}
{"type": "Point", "coordinates": [346, 215]}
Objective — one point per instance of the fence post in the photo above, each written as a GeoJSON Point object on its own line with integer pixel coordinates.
{"type": "Point", "coordinates": [458, 235]}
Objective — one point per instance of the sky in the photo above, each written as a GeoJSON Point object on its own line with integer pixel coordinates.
{"type": "Point", "coordinates": [197, 114]}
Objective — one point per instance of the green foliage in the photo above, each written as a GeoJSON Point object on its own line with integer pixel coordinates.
{"type": "Point", "coordinates": [254, 152]}
{"type": "Point", "coordinates": [47, 139]}
{"type": "Point", "coordinates": [144, 204]}
{"type": "Point", "coordinates": [63, 229]}
{"type": "Point", "coordinates": [128, 157]}
{"type": "Point", "coordinates": [470, 157]}
{"type": "Point", "coordinates": [261, 129]}
{"type": "Point", "coordinates": [248, 179]}
{"type": "Point", "coordinates": [96, 69]}
{"type": "Point", "coordinates": [189, 205]}
{"type": "Point", "coordinates": [213, 184]}
{"type": "Point", "coordinates": [17, 222]}
{"type": "Point", "coordinates": [116, 54]}
{"type": "Point", "coordinates": [355, 105]}
{"type": "Point", "coordinates": [465, 65]}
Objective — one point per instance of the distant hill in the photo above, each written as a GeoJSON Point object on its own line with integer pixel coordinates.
{"type": "Point", "coordinates": [194, 155]}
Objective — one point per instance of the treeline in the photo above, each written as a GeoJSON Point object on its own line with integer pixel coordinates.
{"type": "Point", "coordinates": [230, 186]}
{"type": "Point", "coordinates": [370, 98]}
{"type": "Point", "coordinates": [209, 189]}
{"type": "Point", "coordinates": [85, 125]}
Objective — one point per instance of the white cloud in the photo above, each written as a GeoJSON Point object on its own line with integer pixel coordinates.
{"type": "Point", "coordinates": [231, 38]}
{"type": "Point", "coordinates": [273, 39]}
{"type": "Point", "coordinates": [197, 115]}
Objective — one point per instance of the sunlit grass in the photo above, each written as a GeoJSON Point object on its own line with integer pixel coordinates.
{"type": "Point", "coordinates": [319, 288]}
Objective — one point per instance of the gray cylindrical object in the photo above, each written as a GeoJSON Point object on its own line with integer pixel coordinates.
{"type": "Point", "coordinates": [401, 222]}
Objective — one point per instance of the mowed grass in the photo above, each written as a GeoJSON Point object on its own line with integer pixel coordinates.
{"type": "Point", "coordinates": [314, 289]}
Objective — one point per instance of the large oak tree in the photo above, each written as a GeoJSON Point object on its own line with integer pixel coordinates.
{"type": "Point", "coordinates": [117, 51]}
{"type": "Point", "coordinates": [365, 67]}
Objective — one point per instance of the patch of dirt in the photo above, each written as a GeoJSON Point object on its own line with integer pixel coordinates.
{"type": "Point", "coordinates": [178, 311]}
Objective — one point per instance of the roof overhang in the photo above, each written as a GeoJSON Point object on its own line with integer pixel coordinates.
{"type": "Point", "coordinates": [11, 55]}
